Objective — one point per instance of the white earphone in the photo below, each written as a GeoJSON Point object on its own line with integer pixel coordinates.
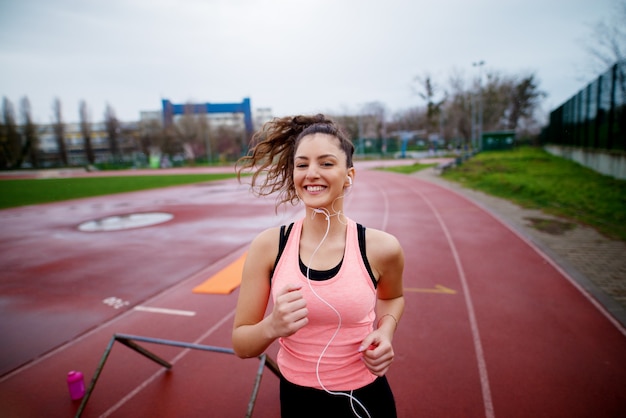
{"type": "Point", "coordinates": [350, 180]}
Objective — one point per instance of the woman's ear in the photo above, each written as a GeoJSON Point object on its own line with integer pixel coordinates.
{"type": "Point", "coordinates": [350, 177]}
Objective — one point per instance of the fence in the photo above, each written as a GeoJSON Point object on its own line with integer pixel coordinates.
{"type": "Point", "coordinates": [595, 117]}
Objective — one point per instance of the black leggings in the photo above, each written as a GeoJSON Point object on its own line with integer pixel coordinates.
{"type": "Point", "coordinates": [299, 401]}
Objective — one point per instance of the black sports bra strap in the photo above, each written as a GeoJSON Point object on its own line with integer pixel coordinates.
{"type": "Point", "coordinates": [282, 243]}
{"type": "Point", "coordinates": [361, 234]}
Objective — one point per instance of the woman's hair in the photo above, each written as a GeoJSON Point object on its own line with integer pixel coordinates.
{"type": "Point", "coordinates": [272, 152]}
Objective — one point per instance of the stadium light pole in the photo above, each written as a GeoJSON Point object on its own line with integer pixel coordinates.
{"type": "Point", "coordinates": [480, 64]}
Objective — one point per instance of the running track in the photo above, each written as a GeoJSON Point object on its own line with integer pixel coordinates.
{"type": "Point", "coordinates": [492, 328]}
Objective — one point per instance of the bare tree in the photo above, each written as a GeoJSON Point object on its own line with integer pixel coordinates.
{"type": "Point", "coordinates": [152, 137]}
{"type": "Point", "coordinates": [171, 144]}
{"type": "Point", "coordinates": [193, 130]}
{"type": "Point", "coordinates": [509, 102]}
{"type": "Point", "coordinates": [85, 129]}
{"type": "Point", "coordinates": [524, 100]}
{"type": "Point", "coordinates": [608, 47]}
{"type": "Point", "coordinates": [228, 140]}
{"type": "Point", "coordinates": [373, 120]}
{"type": "Point", "coordinates": [205, 138]}
{"type": "Point", "coordinates": [435, 98]}
{"type": "Point", "coordinates": [458, 124]}
{"type": "Point", "coordinates": [350, 124]}
{"type": "Point", "coordinates": [10, 140]}
{"type": "Point", "coordinates": [412, 119]}
{"type": "Point", "coordinates": [113, 130]}
{"type": "Point", "coordinates": [59, 130]}
{"type": "Point", "coordinates": [607, 43]}
{"type": "Point", "coordinates": [496, 95]}
{"type": "Point", "coordinates": [29, 132]}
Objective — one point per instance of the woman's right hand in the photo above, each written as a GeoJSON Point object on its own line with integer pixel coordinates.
{"type": "Point", "coordinates": [289, 313]}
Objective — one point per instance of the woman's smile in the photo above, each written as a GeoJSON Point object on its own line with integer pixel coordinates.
{"type": "Point", "coordinates": [315, 189]}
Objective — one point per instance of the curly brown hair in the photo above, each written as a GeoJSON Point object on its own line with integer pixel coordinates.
{"type": "Point", "coordinates": [272, 152]}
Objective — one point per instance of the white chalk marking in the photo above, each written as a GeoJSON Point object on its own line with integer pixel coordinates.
{"type": "Point", "coordinates": [164, 311]}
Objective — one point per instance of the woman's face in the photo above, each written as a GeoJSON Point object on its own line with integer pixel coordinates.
{"type": "Point", "coordinates": [320, 173]}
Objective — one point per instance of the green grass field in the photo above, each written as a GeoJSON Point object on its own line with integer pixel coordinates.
{"type": "Point", "coordinates": [408, 169]}
{"type": "Point", "coordinates": [20, 192]}
{"type": "Point", "coordinates": [533, 178]}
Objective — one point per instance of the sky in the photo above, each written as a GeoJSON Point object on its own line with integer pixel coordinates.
{"type": "Point", "coordinates": [293, 56]}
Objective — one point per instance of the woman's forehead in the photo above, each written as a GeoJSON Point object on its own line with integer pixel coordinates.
{"type": "Point", "coordinates": [318, 143]}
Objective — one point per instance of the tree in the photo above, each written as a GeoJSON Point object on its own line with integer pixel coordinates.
{"type": "Point", "coordinates": [228, 141]}
{"type": "Point", "coordinates": [349, 123]}
{"type": "Point", "coordinates": [524, 100]}
{"type": "Point", "coordinates": [457, 109]}
{"type": "Point", "coordinates": [29, 132]}
{"type": "Point", "coordinates": [152, 137]}
{"type": "Point", "coordinates": [509, 102]}
{"type": "Point", "coordinates": [10, 139]}
{"type": "Point", "coordinates": [59, 130]}
{"type": "Point", "coordinates": [607, 43]}
{"type": "Point", "coordinates": [496, 95]}
{"type": "Point", "coordinates": [113, 130]}
{"type": "Point", "coordinates": [85, 129]}
{"type": "Point", "coordinates": [193, 129]}
{"type": "Point", "coordinates": [205, 137]}
{"type": "Point", "coordinates": [412, 119]}
{"type": "Point", "coordinates": [373, 124]}
{"type": "Point", "coordinates": [435, 100]}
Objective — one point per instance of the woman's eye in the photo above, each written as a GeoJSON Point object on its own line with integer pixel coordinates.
{"type": "Point", "coordinates": [327, 164]}
{"type": "Point", "coordinates": [300, 165]}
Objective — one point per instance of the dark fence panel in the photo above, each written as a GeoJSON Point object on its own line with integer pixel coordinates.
{"type": "Point", "coordinates": [595, 117]}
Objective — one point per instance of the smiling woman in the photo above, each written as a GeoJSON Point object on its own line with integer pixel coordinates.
{"type": "Point", "coordinates": [336, 287]}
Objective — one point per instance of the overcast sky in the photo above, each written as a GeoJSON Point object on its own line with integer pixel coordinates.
{"type": "Point", "coordinates": [294, 56]}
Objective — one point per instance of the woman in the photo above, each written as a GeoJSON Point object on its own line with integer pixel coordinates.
{"type": "Point", "coordinates": [336, 286]}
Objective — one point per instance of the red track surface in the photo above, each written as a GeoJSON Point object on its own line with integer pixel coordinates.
{"type": "Point", "coordinates": [517, 338]}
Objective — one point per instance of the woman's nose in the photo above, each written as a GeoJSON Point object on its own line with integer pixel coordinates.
{"type": "Point", "coordinates": [312, 172]}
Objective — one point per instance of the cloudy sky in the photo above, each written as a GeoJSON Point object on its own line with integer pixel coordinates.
{"type": "Point", "coordinates": [294, 56]}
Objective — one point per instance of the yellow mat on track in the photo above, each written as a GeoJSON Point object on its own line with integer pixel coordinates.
{"type": "Point", "coordinates": [225, 281]}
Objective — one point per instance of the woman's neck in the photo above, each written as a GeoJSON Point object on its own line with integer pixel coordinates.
{"type": "Point", "coordinates": [317, 220]}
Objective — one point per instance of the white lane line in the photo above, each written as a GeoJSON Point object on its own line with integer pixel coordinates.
{"type": "Point", "coordinates": [539, 250]}
{"type": "Point", "coordinates": [164, 311]}
{"type": "Point", "coordinates": [480, 356]}
{"type": "Point", "coordinates": [176, 359]}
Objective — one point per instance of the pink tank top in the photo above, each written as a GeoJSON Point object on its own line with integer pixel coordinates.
{"type": "Point", "coordinates": [352, 294]}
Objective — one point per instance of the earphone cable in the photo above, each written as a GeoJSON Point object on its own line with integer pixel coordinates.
{"type": "Point", "coordinates": [350, 395]}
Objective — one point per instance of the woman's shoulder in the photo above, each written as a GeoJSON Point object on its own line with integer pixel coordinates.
{"type": "Point", "coordinates": [382, 244]}
{"type": "Point", "coordinates": [386, 258]}
{"type": "Point", "coordinates": [267, 239]}
{"type": "Point", "coordinates": [263, 250]}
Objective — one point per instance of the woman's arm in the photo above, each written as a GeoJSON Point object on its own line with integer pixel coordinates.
{"type": "Point", "coordinates": [387, 261]}
{"type": "Point", "coordinates": [252, 332]}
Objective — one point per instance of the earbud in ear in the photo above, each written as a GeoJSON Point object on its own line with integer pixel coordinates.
{"type": "Point", "coordinates": [350, 180]}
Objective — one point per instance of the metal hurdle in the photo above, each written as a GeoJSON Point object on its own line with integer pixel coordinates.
{"type": "Point", "coordinates": [129, 341]}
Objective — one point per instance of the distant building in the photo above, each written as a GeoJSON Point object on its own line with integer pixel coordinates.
{"type": "Point", "coordinates": [75, 143]}
{"type": "Point", "coordinates": [216, 120]}
{"type": "Point", "coordinates": [129, 135]}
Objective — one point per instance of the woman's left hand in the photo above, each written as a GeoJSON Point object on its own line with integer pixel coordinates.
{"type": "Point", "coordinates": [377, 352]}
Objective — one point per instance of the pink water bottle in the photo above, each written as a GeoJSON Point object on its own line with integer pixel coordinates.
{"type": "Point", "coordinates": [76, 385]}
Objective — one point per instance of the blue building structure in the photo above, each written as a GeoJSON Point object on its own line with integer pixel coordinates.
{"type": "Point", "coordinates": [170, 109]}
